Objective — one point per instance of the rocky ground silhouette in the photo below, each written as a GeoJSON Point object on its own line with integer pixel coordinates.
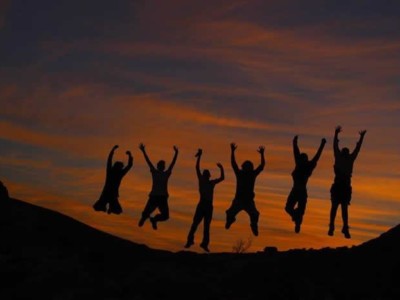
{"type": "Point", "coordinates": [47, 255]}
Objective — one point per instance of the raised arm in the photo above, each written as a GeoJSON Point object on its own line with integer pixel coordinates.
{"type": "Point", "coordinates": [359, 143]}
{"type": "Point", "coordinates": [146, 157]}
{"type": "Point", "coordinates": [261, 150]}
{"type": "Point", "coordinates": [296, 150]}
{"type": "Point", "coordinates": [336, 150]}
{"type": "Point", "coordinates": [222, 176]}
{"type": "Point", "coordinates": [319, 151]}
{"type": "Point", "coordinates": [110, 157]}
{"type": "Point", "coordinates": [198, 155]}
{"type": "Point", "coordinates": [130, 162]}
{"type": "Point", "coordinates": [233, 159]}
{"type": "Point", "coordinates": [171, 166]}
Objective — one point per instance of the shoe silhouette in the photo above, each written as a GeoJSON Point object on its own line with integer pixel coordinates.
{"type": "Point", "coordinates": [189, 243]}
{"type": "Point", "coordinates": [141, 222]}
{"type": "Point", "coordinates": [331, 230]}
{"type": "Point", "coordinates": [297, 221]}
{"type": "Point", "coordinates": [297, 227]}
{"type": "Point", "coordinates": [205, 247]}
{"type": "Point", "coordinates": [254, 229]}
{"type": "Point", "coordinates": [228, 224]}
{"type": "Point", "coordinates": [99, 207]}
{"type": "Point", "coordinates": [114, 208]}
{"type": "Point", "coordinates": [346, 233]}
{"type": "Point", "coordinates": [153, 223]}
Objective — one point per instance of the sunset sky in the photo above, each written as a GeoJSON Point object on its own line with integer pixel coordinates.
{"type": "Point", "coordinates": [78, 77]}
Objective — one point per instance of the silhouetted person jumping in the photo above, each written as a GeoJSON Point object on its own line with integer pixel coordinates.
{"type": "Point", "coordinates": [341, 189]}
{"type": "Point", "coordinates": [301, 174]}
{"type": "Point", "coordinates": [204, 209]}
{"type": "Point", "coordinates": [244, 196]}
{"type": "Point", "coordinates": [158, 197]}
{"type": "Point", "coordinates": [114, 175]}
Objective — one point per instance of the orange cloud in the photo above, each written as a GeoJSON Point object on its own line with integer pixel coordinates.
{"type": "Point", "coordinates": [295, 82]}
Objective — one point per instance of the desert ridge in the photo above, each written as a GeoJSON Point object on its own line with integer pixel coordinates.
{"type": "Point", "coordinates": [50, 255]}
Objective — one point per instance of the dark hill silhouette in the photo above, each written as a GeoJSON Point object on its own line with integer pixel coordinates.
{"type": "Point", "coordinates": [387, 242]}
{"type": "Point", "coordinates": [47, 255]}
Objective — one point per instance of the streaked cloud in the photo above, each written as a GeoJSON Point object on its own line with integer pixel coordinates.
{"type": "Point", "coordinates": [201, 74]}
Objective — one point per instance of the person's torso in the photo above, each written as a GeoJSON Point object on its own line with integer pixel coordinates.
{"type": "Point", "coordinates": [206, 188]}
{"type": "Point", "coordinates": [160, 183]}
{"type": "Point", "coordinates": [343, 168]}
{"type": "Point", "coordinates": [245, 182]}
{"type": "Point", "coordinates": [113, 181]}
{"type": "Point", "coordinates": [301, 174]}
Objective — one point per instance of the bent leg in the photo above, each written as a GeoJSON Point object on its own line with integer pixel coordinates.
{"type": "Point", "coordinates": [164, 212]}
{"type": "Point", "coordinates": [231, 213]}
{"type": "Point", "coordinates": [151, 205]}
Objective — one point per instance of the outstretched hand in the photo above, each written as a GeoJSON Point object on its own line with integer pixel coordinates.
{"type": "Point", "coordinates": [115, 147]}
{"type": "Point", "coordinates": [362, 132]}
{"type": "Point", "coordinates": [261, 149]}
{"type": "Point", "coordinates": [199, 152]}
{"type": "Point", "coordinates": [338, 129]}
{"type": "Point", "coordinates": [295, 138]}
{"type": "Point", "coordinates": [323, 141]}
{"type": "Point", "coordinates": [233, 146]}
{"type": "Point", "coordinates": [220, 165]}
{"type": "Point", "coordinates": [128, 153]}
{"type": "Point", "coordinates": [176, 149]}
{"type": "Point", "coordinates": [141, 146]}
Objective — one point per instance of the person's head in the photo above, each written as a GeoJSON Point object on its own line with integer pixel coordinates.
{"type": "Point", "coordinates": [206, 174]}
{"type": "Point", "coordinates": [161, 165]}
{"type": "Point", "coordinates": [118, 166]}
{"type": "Point", "coordinates": [345, 152]}
{"type": "Point", "coordinates": [247, 166]}
{"type": "Point", "coordinates": [303, 158]}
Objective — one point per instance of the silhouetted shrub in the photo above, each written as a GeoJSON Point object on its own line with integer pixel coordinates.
{"type": "Point", "coordinates": [242, 246]}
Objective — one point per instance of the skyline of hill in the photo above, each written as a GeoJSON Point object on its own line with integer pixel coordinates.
{"type": "Point", "coordinates": [50, 255]}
